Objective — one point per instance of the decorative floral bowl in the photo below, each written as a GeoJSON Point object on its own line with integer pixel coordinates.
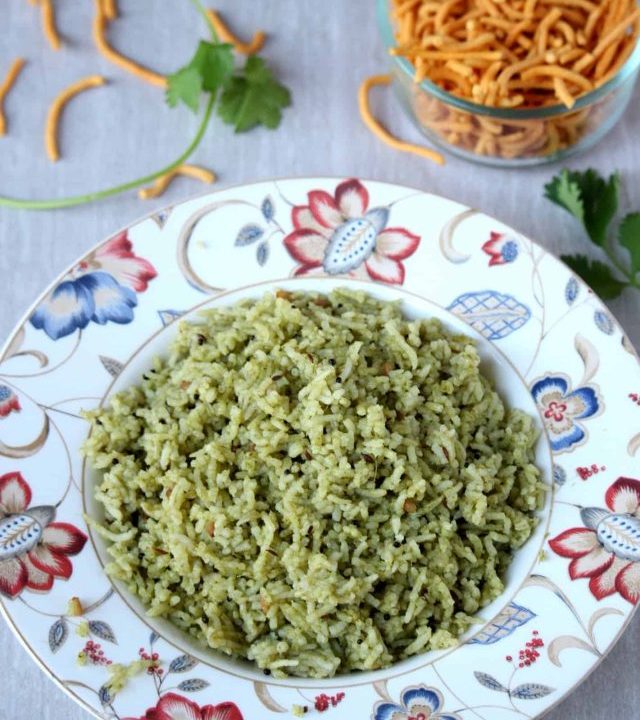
{"type": "Point", "coordinates": [549, 342]}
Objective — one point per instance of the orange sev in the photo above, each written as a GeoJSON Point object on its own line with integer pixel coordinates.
{"type": "Point", "coordinates": [53, 116]}
{"type": "Point", "coordinates": [100, 40]}
{"type": "Point", "coordinates": [381, 132]}
{"type": "Point", "coordinates": [513, 54]}
{"type": "Point", "coordinates": [163, 182]}
{"type": "Point", "coordinates": [225, 35]}
{"type": "Point", "coordinates": [5, 87]}
{"type": "Point", "coordinates": [49, 24]}
{"type": "Point", "coordinates": [110, 9]}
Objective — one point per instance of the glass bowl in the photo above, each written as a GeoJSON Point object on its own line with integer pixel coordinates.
{"type": "Point", "coordinates": [508, 137]}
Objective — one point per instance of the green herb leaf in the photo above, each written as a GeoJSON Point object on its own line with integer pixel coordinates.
{"type": "Point", "coordinates": [565, 193]}
{"type": "Point", "coordinates": [185, 86]}
{"type": "Point", "coordinates": [588, 197]}
{"type": "Point", "coordinates": [597, 275]}
{"type": "Point", "coordinates": [629, 236]}
{"type": "Point", "coordinates": [209, 69]}
{"type": "Point", "coordinates": [253, 97]}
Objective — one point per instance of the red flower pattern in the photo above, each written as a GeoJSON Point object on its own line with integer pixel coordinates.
{"type": "Point", "coordinates": [175, 707]}
{"type": "Point", "coordinates": [339, 235]}
{"type": "Point", "coordinates": [33, 549]}
{"type": "Point", "coordinates": [501, 248]}
{"type": "Point", "coordinates": [117, 258]}
{"type": "Point", "coordinates": [607, 549]}
{"type": "Point", "coordinates": [8, 401]}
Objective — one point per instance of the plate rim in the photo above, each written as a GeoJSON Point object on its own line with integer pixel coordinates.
{"type": "Point", "coordinates": [310, 179]}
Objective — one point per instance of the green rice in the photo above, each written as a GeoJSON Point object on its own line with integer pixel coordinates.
{"type": "Point", "coordinates": [315, 483]}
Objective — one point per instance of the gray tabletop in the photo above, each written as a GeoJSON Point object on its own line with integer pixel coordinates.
{"type": "Point", "coordinates": [322, 50]}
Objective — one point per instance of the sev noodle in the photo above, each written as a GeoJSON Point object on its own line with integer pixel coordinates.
{"type": "Point", "coordinates": [100, 40]}
{"type": "Point", "coordinates": [49, 24]}
{"type": "Point", "coordinates": [5, 87]}
{"type": "Point", "coordinates": [53, 116]}
{"type": "Point", "coordinates": [110, 9]}
{"type": "Point", "coordinates": [163, 182]}
{"type": "Point", "coordinates": [225, 35]}
{"type": "Point", "coordinates": [521, 54]}
{"type": "Point", "coordinates": [381, 132]}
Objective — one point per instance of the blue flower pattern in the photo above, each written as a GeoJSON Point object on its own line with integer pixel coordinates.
{"type": "Point", "coordinates": [562, 409]}
{"type": "Point", "coordinates": [96, 297]}
{"type": "Point", "coordinates": [416, 703]}
{"type": "Point", "coordinates": [102, 288]}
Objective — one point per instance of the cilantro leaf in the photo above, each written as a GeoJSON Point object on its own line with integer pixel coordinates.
{"type": "Point", "coordinates": [588, 197]}
{"type": "Point", "coordinates": [565, 193]}
{"type": "Point", "coordinates": [254, 97]}
{"type": "Point", "coordinates": [209, 69]}
{"type": "Point", "coordinates": [629, 236]}
{"type": "Point", "coordinates": [597, 275]}
{"type": "Point", "coordinates": [185, 86]}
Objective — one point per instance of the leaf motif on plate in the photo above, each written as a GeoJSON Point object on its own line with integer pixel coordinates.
{"type": "Point", "coordinates": [490, 682]}
{"type": "Point", "coordinates": [168, 316]}
{"type": "Point", "coordinates": [182, 663]}
{"type": "Point", "coordinates": [102, 630]}
{"type": "Point", "coordinates": [590, 358]}
{"type": "Point", "coordinates": [104, 695]}
{"type": "Point", "coordinates": [531, 691]}
{"type": "Point", "coordinates": [628, 346]}
{"type": "Point", "coordinates": [160, 218]}
{"type": "Point", "coordinates": [381, 687]}
{"type": "Point", "coordinates": [493, 314]}
{"type": "Point", "coordinates": [571, 290]}
{"type": "Point", "coordinates": [153, 637]}
{"type": "Point", "coordinates": [603, 322]}
{"type": "Point", "coordinates": [634, 445]}
{"type": "Point", "coordinates": [112, 366]}
{"type": "Point", "coordinates": [544, 582]}
{"type": "Point", "coordinates": [267, 208]}
{"type": "Point", "coordinates": [58, 633]}
{"type": "Point", "coordinates": [598, 614]}
{"type": "Point", "coordinates": [564, 642]}
{"type": "Point", "coordinates": [507, 621]}
{"type": "Point", "coordinates": [263, 694]}
{"type": "Point", "coordinates": [262, 253]}
{"type": "Point", "coordinates": [559, 475]}
{"type": "Point", "coordinates": [193, 685]}
{"type": "Point", "coordinates": [447, 235]}
{"type": "Point", "coordinates": [248, 234]}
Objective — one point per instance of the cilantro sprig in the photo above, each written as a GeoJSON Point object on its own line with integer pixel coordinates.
{"type": "Point", "coordinates": [594, 201]}
{"type": "Point", "coordinates": [244, 96]}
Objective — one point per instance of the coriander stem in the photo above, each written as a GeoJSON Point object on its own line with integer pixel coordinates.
{"type": "Point", "coordinates": [200, 8]}
{"type": "Point", "coordinates": [630, 277]}
{"type": "Point", "coordinates": [101, 194]}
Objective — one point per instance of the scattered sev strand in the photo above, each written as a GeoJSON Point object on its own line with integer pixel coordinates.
{"type": "Point", "coordinates": [110, 9]}
{"type": "Point", "coordinates": [100, 40]}
{"type": "Point", "coordinates": [5, 87]}
{"type": "Point", "coordinates": [53, 116]}
{"type": "Point", "coordinates": [163, 182]}
{"type": "Point", "coordinates": [381, 132]}
{"type": "Point", "coordinates": [225, 35]}
{"type": "Point", "coordinates": [49, 23]}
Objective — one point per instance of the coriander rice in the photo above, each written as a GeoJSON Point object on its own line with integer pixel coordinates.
{"type": "Point", "coordinates": [315, 484]}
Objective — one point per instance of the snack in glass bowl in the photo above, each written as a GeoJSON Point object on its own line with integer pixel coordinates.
{"type": "Point", "coordinates": [513, 83]}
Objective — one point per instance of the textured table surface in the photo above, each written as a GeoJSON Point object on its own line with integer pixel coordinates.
{"type": "Point", "coordinates": [322, 50]}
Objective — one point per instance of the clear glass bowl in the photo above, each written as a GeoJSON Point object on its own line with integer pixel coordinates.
{"type": "Point", "coordinates": [515, 138]}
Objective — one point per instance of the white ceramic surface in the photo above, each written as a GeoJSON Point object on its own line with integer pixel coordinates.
{"type": "Point", "coordinates": [570, 353]}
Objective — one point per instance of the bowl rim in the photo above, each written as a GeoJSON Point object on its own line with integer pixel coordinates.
{"type": "Point", "coordinates": [626, 72]}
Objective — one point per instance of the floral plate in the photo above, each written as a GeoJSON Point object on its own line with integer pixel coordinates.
{"type": "Point", "coordinates": [556, 620]}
